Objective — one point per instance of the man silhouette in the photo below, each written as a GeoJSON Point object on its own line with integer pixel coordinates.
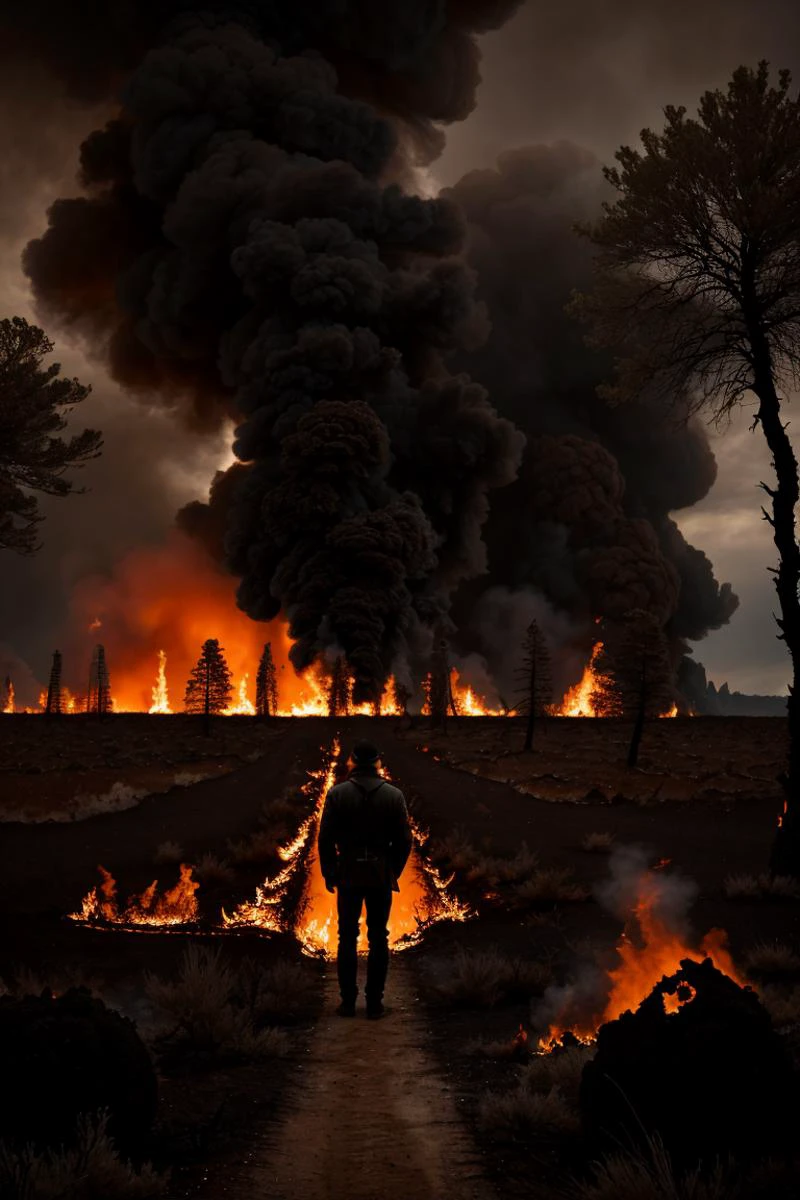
{"type": "Point", "coordinates": [364, 843]}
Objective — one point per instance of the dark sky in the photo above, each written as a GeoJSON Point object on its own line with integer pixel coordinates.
{"type": "Point", "coordinates": [592, 71]}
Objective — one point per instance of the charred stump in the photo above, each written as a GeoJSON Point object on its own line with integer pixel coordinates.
{"type": "Point", "coordinates": [70, 1055]}
{"type": "Point", "coordinates": [712, 1079]}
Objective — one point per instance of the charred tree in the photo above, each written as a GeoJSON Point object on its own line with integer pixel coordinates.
{"type": "Point", "coordinates": [636, 674]}
{"type": "Point", "coordinates": [339, 689]}
{"type": "Point", "coordinates": [698, 294]}
{"type": "Point", "coordinates": [8, 695]}
{"type": "Point", "coordinates": [440, 696]}
{"type": "Point", "coordinates": [267, 685]}
{"type": "Point", "coordinates": [208, 689]}
{"type": "Point", "coordinates": [55, 699]}
{"type": "Point", "coordinates": [98, 697]}
{"type": "Point", "coordinates": [536, 681]}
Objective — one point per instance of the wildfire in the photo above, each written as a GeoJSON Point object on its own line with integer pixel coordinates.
{"type": "Point", "coordinates": [160, 694]}
{"type": "Point", "coordinates": [579, 701]}
{"type": "Point", "coordinates": [177, 906]}
{"type": "Point", "coordinates": [653, 952]}
{"type": "Point", "coordinates": [243, 706]}
{"type": "Point", "coordinates": [8, 707]}
{"type": "Point", "coordinates": [673, 712]}
{"type": "Point", "coordinates": [468, 703]}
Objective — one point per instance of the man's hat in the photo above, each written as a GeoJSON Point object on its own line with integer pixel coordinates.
{"type": "Point", "coordinates": [365, 754]}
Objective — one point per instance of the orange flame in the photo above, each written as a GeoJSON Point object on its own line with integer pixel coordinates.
{"type": "Point", "coordinates": [243, 706]}
{"type": "Point", "coordinates": [579, 700]}
{"type": "Point", "coordinates": [467, 701]}
{"type": "Point", "coordinates": [160, 693]}
{"type": "Point", "coordinates": [9, 704]}
{"type": "Point", "coordinates": [178, 906]}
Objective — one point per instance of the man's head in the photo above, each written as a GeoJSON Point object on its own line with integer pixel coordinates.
{"type": "Point", "coordinates": [364, 754]}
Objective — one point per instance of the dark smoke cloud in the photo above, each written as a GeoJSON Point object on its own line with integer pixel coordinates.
{"type": "Point", "coordinates": [586, 523]}
{"type": "Point", "coordinates": [240, 247]}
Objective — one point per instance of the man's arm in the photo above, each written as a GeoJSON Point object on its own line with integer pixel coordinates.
{"type": "Point", "coordinates": [326, 842]}
{"type": "Point", "coordinates": [401, 836]}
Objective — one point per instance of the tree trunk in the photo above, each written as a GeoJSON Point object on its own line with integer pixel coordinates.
{"type": "Point", "coordinates": [531, 704]}
{"type": "Point", "coordinates": [207, 704]}
{"type": "Point", "coordinates": [638, 725]}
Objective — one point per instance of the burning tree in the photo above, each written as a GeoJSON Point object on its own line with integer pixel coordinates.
{"type": "Point", "coordinates": [32, 455]}
{"type": "Point", "coordinates": [8, 695]}
{"type": "Point", "coordinates": [698, 294]}
{"type": "Point", "coordinates": [209, 688]}
{"type": "Point", "coordinates": [267, 685]}
{"type": "Point", "coordinates": [535, 674]}
{"type": "Point", "coordinates": [98, 698]}
{"type": "Point", "coordinates": [55, 700]}
{"type": "Point", "coordinates": [339, 689]}
{"type": "Point", "coordinates": [636, 674]}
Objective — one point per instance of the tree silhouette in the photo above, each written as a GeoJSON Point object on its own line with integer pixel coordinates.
{"type": "Point", "coordinates": [636, 674]}
{"type": "Point", "coordinates": [7, 698]}
{"type": "Point", "coordinates": [55, 700]}
{"type": "Point", "coordinates": [536, 680]}
{"type": "Point", "coordinates": [402, 695]}
{"type": "Point", "coordinates": [698, 294]}
{"type": "Point", "coordinates": [440, 695]}
{"type": "Point", "coordinates": [98, 698]}
{"type": "Point", "coordinates": [209, 690]}
{"type": "Point", "coordinates": [33, 401]}
{"type": "Point", "coordinates": [339, 688]}
{"type": "Point", "coordinates": [267, 685]}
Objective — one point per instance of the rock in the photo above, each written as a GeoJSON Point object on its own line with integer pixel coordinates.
{"type": "Point", "coordinates": [68, 1055]}
{"type": "Point", "coordinates": [713, 1079]}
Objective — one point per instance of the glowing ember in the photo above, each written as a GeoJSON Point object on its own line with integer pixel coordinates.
{"type": "Point", "coordinates": [8, 706]}
{"type": "Point", "coordinates": [96, 624]}
{"type": "Point", "coordinates": [178, 906]}
{"type": "Point", "coordinates": [657, 952]}
{"type": "Point", "coordinates": [160, 694]}
{"type": "Point", "coordinates": [243, 706]}
{"type": "Point", "coordinates": [673, 712]}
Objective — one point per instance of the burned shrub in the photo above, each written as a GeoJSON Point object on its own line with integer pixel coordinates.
{"type": "Point", "coordinates": [68, 1056]}
{"type": "Point", "coordinates": [699, 1065]}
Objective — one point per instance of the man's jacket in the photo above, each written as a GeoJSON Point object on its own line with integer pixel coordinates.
{"type": "Point", "coordinates": [364, 819]}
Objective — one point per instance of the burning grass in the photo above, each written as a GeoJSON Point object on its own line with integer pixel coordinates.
{"type": "Point", "coordinates": [218, 1010]}
{"type": "Point", "coordinates": [151, 909]}
{"type": "Point", "coordinates": [90, 1170]}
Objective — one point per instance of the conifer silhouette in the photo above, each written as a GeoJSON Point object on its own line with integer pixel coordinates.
{"type": "Point", "coordinates": [636, 674]}
{"type": "Point", "coordinates": [98, 698]}
{"type": "Point", "coordinates": [267, 685]}
{"type": "Point", "coordinates": [55, 700]}
{"type": "Point", "coordinates": [536, 682]}
{"type": "Point", "coordinates": [208, 689]}
{"type": "Point", "coordinates": [339, 689]}
{"type": "Point", "coordinates": [440, 695]}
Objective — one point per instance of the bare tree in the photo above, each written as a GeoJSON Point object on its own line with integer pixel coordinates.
{"type": "Point", "coordinates": [267, 685]}
{"type": "Point", "coordinates": [55, 699]}
{"type": "Point", "coordinates": [698, 294]}
{"type": "Point", "coordinates": [33, 458]}
{"type": "Point", "coordinates": [636, 674]}
{"type": "Point", "coordinates": [536, 681]}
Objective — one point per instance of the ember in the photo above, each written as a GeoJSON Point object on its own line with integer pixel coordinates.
{"type": "Point", "coordinates": [177, 906]}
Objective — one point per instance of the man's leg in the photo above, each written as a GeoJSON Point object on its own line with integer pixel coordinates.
{"type": "Point", "coordinates": [348, 907]}
{"type": "Point", "coordinates": [379, 903]}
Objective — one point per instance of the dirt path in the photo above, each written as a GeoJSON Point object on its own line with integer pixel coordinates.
{"type": "Point", "coordinates": [372, 1118]}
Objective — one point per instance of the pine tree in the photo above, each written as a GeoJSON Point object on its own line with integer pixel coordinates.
{"type": "Point", "coordinates": [636, 673]}
{"type": "Point", "coordinates": [98, 699]}
{"type": "Point", "coordinates": [208, 689]}
{"type": "Point", "coordinates": [339, 689]}
{"type": "Point", "coordinates": [55, 700]}
{"type": "Point", "coordinates": [267, 685]}
{"type": "Point", "coordinates": [536, 683]}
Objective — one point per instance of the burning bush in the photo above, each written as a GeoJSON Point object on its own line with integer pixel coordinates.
{"type": "Point", "coordinates": [68, 1056]}
{"type": "Point", "coordinates": [700, 1065]}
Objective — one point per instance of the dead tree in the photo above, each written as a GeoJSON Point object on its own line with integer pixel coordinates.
{"type": "Point", "coordinates": [637, 675]}
{"type": "Point", "coordinates": [55, 699]}
{"type": "Point", "coordinates": [440, 694]}
{"type": "Point", "coordinates": [536, 681]}
{"type": "Point", "coordinates": [98, 698]}
{"type": "Point", "coordinates": [267, 685]}
{"type": "Point", "coordinates": [339, 689]}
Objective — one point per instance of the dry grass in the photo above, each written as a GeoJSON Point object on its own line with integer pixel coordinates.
{"type": "Point", "coordinates": [598, 843]}
{"type": "Point", "coordinates": [549, 885]}
{"type": "Point", "coordinates": [521, 1112]}
{"type": "Point", "coordinates": [169, 854]}
{"type": "Point", "coordinates": [772, 958]}
{"type": "Point", "coordinates": [650, 1176]}
{"type": "Point", "coordinates": [32, 981]}
{"type": "Point", "coordinates": [213, 871]}
{"type": "Point", "coordinates": [782, 1005]}
{"type": "Point", "coordinates": [260, 847]}
{"type": "Point", "coordinates": [91, 1170]}
{"type": "Point", "coordinates": [283, 993]}
{"type": "Point", "coordinates": [211, 1009]}
{"type": "Point", "coordinates": [562, 1069]}
{"type": "Point", "coordinates": [761, 887]}
{"type": "Point", "coordinates": [483, 978]}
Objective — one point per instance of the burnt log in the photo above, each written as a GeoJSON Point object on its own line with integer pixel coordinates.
{"type": "Point", "coordinates": [67, 1055]}
{"type": "Point", "coordinates": [713, 1079]}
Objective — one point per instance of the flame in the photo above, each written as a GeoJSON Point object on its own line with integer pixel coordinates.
{"type": "Point", "coordinates": [9, 704]}
{"type": "Point", "coordinates": [579, 700]}
{"type": "Point", "coordinates": [673, 712]}
{"type": "Point", "coordinates": [422, 900]}
{"type": "Point", "coordinates": [656, 952]}
{"type": "Point", "coordinates": [467, 701]}
{"type": "Point", "coordinates": [96, 624]}
{"type": "Point", "coordinates": [178, 906]}
{"type": "Point", "coordinates": [69, 703]}
{"type": "Point", "coordinates": [160, 694]}
{"type": "Point", "coordinates": [243, 707]}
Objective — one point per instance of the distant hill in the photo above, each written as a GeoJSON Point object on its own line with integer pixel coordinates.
{"type": "Point", "coordinates": [707, 700]}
